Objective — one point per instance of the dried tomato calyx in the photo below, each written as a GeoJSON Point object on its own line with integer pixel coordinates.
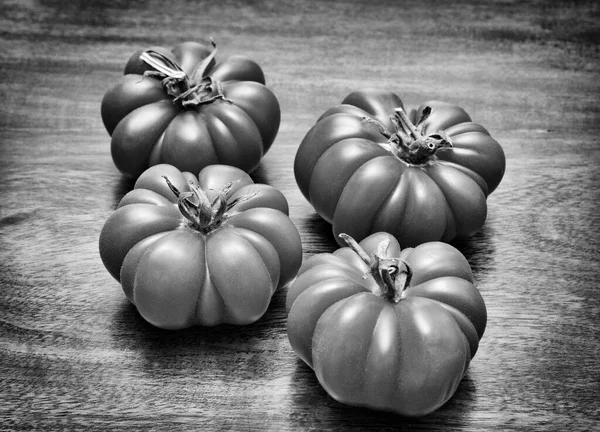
{"type": "Point", "coordinates": [196, 89]}
{"type": "Point", "coordinates": [205, 92]}
{"type": "Point", "coordinates": [408, 142]}
{"type": "Point", "coordinates": [392, 275]}
{"type": "Point", "coordinates": [206, 215]}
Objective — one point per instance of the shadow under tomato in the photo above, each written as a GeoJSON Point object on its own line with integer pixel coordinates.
{"type": "Point", "coordinates": [479, 251]}
{"type": "Point", "coordinates": [317, 237]}
{"type": "Point", "coordinates": [316, 234]}
{"type": "Point", "coordinates": [260, 175]}
{"type": "Point", "coordinates": [121, 186]}
{"type": "Point", "coordinates": [227, 350]}
{"type": "Point", "coordinates": [315, 406]}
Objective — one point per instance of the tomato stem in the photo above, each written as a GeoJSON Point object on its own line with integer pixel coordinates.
{"type": "Point", "coordinates": [408, 142]}
{"type": "Point", "coordinates": [194, 90]}
{"type": "Point", "coordinates": [206, 215]}
{"type": "Point", "coordinates": [392, 275]}
{"type": "Point", "coordinates": [424, 116]}
{"type": "Point", "coordinates": [200, 69]}
{"type": "Point", "coordinates": [406, 124]}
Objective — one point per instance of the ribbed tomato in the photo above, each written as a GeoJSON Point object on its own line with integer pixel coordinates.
{"type": "Point", "coordinates": [184, 108]}
{"type": "Point", "coordinates": [384, 328]}
{"type": "Point", "coordinates": [200, 251]}
{"type": "Point", "coordinates": [367, 166]}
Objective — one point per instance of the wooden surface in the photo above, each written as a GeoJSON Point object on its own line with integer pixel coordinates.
{"type": "Point", "coordinates": [75, 354]}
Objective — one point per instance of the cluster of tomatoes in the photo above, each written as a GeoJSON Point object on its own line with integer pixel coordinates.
{"type": "Point", "coordinates": [382, 327]}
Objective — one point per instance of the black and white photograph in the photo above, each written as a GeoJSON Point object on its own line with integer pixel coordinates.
{"type": "Point", "coordinates": [310, 215]}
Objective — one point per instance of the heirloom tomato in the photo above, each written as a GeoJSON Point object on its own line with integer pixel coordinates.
{"type": "Point", "coordinates": [200, 251]}
{"type": "Point", "coordinates": [367, 166]}
{"type": "Point", "coordinates": [386, 328]}
{"type": "Point", "coordinates": [183, 108]}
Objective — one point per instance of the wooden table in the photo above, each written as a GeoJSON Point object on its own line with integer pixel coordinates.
{"type": "Point", "coordinates": [74, 353]}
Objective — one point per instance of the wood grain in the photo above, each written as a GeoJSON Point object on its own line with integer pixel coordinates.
{"type": "Point", "coordinates": [74, 354]}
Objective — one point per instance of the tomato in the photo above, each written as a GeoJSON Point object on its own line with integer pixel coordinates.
{"type": "Point", "coordinates": [183, 108]}
{"type": "Point", "coordinates": [200, 251]}
{"type": "Point", "coordinates": [385, 328]}
{"type": "Point", "coordinates": [367, 166]}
